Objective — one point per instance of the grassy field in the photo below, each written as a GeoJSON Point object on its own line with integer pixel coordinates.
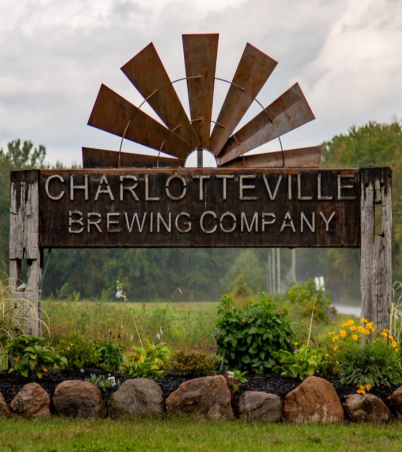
{"type": "Point", "coordinates": [65, 435]}
{"type": "Point", "coordinates": [185, 325]}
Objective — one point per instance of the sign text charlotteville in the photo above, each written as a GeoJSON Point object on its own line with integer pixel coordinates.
{"type": "Point", "coordinates": [199, 207]}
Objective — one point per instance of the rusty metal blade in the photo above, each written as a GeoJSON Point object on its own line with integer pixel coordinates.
{"type": "Point", "coordinates": [200, 53]}
{"type": "Point", "coordinates": [102, 158]}
{"type": "Point", "coordinates": [147, 73]}
{"type": "Point", "coordinates": [116, 115]}
{"type": "Point", "coordinates": [252, 72]}
{"type": "Point", "coordinates": [291, 158]}
{"type": "Point", "coordinates": [286, 113]}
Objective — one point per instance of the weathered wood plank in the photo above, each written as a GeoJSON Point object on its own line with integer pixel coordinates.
{"type": "Point", "coordinates": [200, 208]}
{"type": "Point", "coordinates": [376, 249]}
{"type": "Point", "coordinates": [24, 240]}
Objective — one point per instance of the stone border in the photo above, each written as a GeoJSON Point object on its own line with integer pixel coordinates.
{"type": "Point", "coordinates": [314, 401]}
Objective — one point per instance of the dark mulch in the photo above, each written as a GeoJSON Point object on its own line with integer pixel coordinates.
{"type": "Point", "coordinates": [10, 384]}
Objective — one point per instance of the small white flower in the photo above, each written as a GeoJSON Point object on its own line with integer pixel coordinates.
{"type": "Point", "coordinates": [119, 293]}
{"type": "Point", "coordinates": [158, 336]}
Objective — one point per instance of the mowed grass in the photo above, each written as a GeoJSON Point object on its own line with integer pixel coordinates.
{"type": "Point", "coordinates": [185, 325]}
{"type": "Point", "coordinates": [65, 435]}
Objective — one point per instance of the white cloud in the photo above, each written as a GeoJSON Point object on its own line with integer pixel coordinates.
{"type": "Point", "coordinates": [346, 55]}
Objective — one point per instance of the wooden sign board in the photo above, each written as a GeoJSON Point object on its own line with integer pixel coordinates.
{"type": "Point", "coordinates": [199, 208]}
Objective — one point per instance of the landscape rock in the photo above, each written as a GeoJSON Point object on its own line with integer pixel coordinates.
{"type": "Point", "coordinates": [260, 406]}
{"type": "Point", "coordinates": [31, 401]}
{"type": "Point", "coordinates": [394, 402]}
{"type": "Point", "coordinates": [4, 410]}
{"type": "Point", "coordinates": [315, 401]}
{"type": "Point", "coordinates": [139, 397]}
{"type": "Point", "coordinates": [77, 398]}
{"type": "Point", "coordinates": [207, 397]}
{"type": "Point", "coordinates": [366, 408]}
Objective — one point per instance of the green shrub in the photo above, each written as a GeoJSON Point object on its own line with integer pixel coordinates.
{"type": "Point", "coordinates": [110, 355]}
{"type": "Point", "coordinates": [30, 356]}
{"type": "Point", "coordinates": [300, 363]}
{"type": "Point", "coordinates": [146, 362]}
{"type": "Point", "coordinates": [310, 298]}
{"type": "Point", "coordinates": [192, 364]}
{"type": "Point", "coordinates": [80, 352]}
{"type": "Point", "coordinates": [248, 337]}
{"type": "Point", "coordinates": [374, 364]}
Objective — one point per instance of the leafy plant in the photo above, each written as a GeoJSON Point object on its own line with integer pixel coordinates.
{"type": "Point", "coordinates": [235, 380]}
{"type": "Point", "coordinates": [248, 337]}
{"type": "Point", "coordinates": [300, 363]}
{"type": "Point", "coordinates": [103, 382]}
{"type": "Point", "coordinates": [110, 355]}
{"type": "Point", "coordinates": [16, 316]}
{"type": "Point", "coordinates": [311, 299]}
{"type": "Point", "coordinates": [30, 356]}
{"type": "Point", "coordinates": [79, 351]}
{"type": "Point", "coordinates": [375, 364]}
{"type": "Point", "coordinates": [146, 362]}
{"type": "Point", "coordinates": [193, 364]}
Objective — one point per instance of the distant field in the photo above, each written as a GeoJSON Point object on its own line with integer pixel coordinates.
{"type": "Point", "coordinates": [185, 324]}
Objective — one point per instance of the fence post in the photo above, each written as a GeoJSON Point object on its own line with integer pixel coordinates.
{"type": "Point", "coordinates": [24, 242]}
{"type": "Point", "coordinates": [376, 245]}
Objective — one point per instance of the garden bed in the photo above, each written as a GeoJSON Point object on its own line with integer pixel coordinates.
{"type": "Point", "coordinates": [11, 384]}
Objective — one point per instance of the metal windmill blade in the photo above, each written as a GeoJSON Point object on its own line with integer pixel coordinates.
{"type": "Point", "coordinates": [252, 72]}
{"type": "Point", "coordinates": [200, 53]}
{"type": "Point", "coordinates": [147, 73]}
{"type": "Point", "coordinates": [116, 115]}
{"type": "Point", "coordinates": [288, 112]}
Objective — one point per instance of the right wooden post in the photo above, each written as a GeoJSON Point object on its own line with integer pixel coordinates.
{"type": "Point", "coordinates": [376, 245]}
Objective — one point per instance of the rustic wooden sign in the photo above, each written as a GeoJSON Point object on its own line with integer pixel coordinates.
{"type": "Point", "coordinates": [199, 208]}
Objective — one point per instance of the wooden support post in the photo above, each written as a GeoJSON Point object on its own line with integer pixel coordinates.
{"type": "Point", "coordinates": [24, 242]}
{"type": "Point", "coordinates": [376, 246]}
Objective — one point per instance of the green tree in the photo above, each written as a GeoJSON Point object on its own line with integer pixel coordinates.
{"type": "Point", "coordinates": [371, 144]}
{"type": "Point", "coordinates": [17, 156]}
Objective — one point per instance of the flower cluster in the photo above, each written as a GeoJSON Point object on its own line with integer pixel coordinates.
{"type": "Point", "coordinates": [365, 329]}
{"type": "Point", "coordinates": [363, 389]}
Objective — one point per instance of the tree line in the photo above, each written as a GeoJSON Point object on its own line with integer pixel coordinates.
{"type": "Point", "coordinates": [205, 274]}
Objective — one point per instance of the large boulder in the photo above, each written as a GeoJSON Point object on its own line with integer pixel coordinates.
{"type": "Point", "coordinates": [260, 406]}
{"type": "Point", "coordinates": [394, 402]}
{"type": "Point", "coordinates": [315, 401]}
{"type": "Point", "coordinates": [77, 398]}
{"type": "Point", "coordinates": [31, 401]}
{"type": "Point", "coordinates": [4, 410]}
{"type": "Point", "coordinates": [139, 397]}
{"type": "Point", "coordinates": [207, 397]}
{"type": "Point", "coordinates": [366, 408]}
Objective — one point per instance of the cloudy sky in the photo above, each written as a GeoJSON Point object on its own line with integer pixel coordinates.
{"type": "Point", "coordinates": [54, 55]}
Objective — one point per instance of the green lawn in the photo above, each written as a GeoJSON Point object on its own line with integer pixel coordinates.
{"type": "Point", "coordinates": [59, 435]}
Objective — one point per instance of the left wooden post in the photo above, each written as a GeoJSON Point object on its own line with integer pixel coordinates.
{"type": "Point", "coordinates": [24, 243]}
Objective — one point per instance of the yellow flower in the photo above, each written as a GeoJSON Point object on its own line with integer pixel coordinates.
{"type": "Point", "coordinates": [394, 344]}
{"type": "Point", "coordinates": [390, 338]}
{"type": "Point", "coordinates": [366, 331]}
{"type": "Point", "coordinates": [396, 350]}
{"type": "Point", "coordinates": [335, 339]}
{"type": "Point", "coordinates": [68, 348]}
{"type": "Point", "coordinates": [342, 333]}
{"type": "Point", "coordinates": [363, 320]}
{"type": "Point", "coordinates": [352, 328]}
{"type": "Point", "coordinates": [368, 387]}
{"type": "Point", "coordinates": [355, 337]}
{"type": "Point", "coordinates": [361, 390]}
{"type": "Point", "coordinates": [373, 328]}
{"type": "Point", "coordinates": [384, 334]}
{"type": "Point", "coordinates": [336, 348]}
{"type": "Point", "coordinates": [370, 325]}
{"type": "Point", "coordinates": [331, 333]}
{"type": "Point", "coordinates": [348, 323]}
{"type": "Point", "coordinates": [360, 329]}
